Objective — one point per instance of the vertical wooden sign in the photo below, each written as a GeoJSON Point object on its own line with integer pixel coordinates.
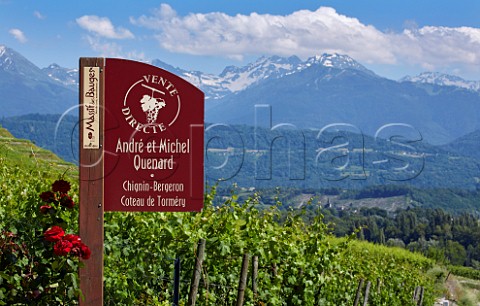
{"type": "Point", "coordinates": [154, 139]}
{"type": "Point", "coordinates": [91, 177]}
{"type": "Point", "coordinates": [141, 144]}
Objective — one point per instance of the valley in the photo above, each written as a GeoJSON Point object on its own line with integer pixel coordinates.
{"type": "Point", "coordinates": [319, 144]}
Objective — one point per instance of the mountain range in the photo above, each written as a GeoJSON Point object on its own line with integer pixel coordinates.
{"type": "Point", "coordinates": [264, 158]}
{"type": "Point", "coordinates": [25, 88]}
{"type": "Point", "coordinates": [324, 89]}
{"type": "Point", "coordinates": [235, 79]}
{"type": "Point", "coordinates": [442, 79]}
{"type": "Point", "coordinates": [66, 76]}
{"type": "Point", "coordinates": [320, 95]}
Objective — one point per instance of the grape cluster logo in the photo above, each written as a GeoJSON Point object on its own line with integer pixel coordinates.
{"type": "Point", "coordinates": [152, 104]}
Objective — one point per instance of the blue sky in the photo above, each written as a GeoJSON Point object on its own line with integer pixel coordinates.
{"type": "Point", "coordinates": [393, 38]}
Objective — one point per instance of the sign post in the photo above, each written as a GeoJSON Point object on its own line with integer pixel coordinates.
{"type": "Point", "coordinates": [91, 177]}
{"type": "Point", "coordinates": [142, 146]}
{"type": "Point", "coordinates": [153, 139]}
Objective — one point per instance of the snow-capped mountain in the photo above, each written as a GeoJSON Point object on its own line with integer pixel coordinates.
{"type": "Point", "coordinates": [318, 94]}
{"type": "Point", "coordinates": [13, 63]}
{"type": "Point", "coordinates": [312, 93]}
{"type": "Point", "coordinates": [234, 79]}
{"type": "Point", "coordinates": [442, 79]}
{"type": "Point", "coordinates": [25, 88]}
{"type": "Point", "coordinates": [208, 83]}
{"type": "Point", "coordinates": [231, 80]}
{"type": "Point", "coordinates": [338, 61]}
{"type": "Point", "coordinates": [238, 78]}
{"type": "Point", "coordinates": [68, 77]}
{"type": "Point", "coordinates": [6, 59]}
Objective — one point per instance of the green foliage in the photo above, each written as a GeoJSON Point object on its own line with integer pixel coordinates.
{"type": "Point", "coordinates": [30, 272]}
{"type": "Point", "coordinates": [467, 272]}
{"type": "Point", "coordinates": [301, 263]}
{"type": "Point", "coordinates": [33, 271]}
{"type": "Point", "coordinates": [437, 234]}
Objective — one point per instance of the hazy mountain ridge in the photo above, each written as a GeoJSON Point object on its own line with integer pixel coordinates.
{"type": "Point", "coordinates": [14, 64]}
{"type": "Point", "coordinates": [290, 150]}
{"type": "Point", "coordinates": [467, 145]}
{"type": "Point", "coordinates": [66, 76]}
{"type": "Point", "coordinates": [442, 79]}
{"type": "Point", "coordinates": [25, 88]}
{"type": "Point", "coordinates": [320, 95]}
{"type": "Point", "coordinates": [234, 79]}
{"type": "Point", "coordinates": [321, 90]}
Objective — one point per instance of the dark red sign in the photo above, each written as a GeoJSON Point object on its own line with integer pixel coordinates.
{"type": "Point", "coordinates": [153, 137]}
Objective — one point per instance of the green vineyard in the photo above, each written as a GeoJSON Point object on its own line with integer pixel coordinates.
{"type": "Point", "coordinates": [298, 262]}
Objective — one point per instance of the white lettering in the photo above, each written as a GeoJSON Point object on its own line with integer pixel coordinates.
{"type": "Point", "coordinates": [168, 187]}
{"type": "Point", "coordinates": [171, 201]}
{"type": "Point", "coordinates": [152, 163]}
{"type": "Point", "coordinates": [130, 146]}
{"type": "Point", "coordinates": [137, 187]}
{"type": "Point", "coordinates": [173, 147]}
{"type": "Point", "coordinates": [129, 201]}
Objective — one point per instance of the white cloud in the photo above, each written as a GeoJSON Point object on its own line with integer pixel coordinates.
{"type": "Point", "coordinates": [104, 49]}
{"type": "Point", "coordinates": [303, 33]}
{"type": "Point", "coordinates": [39, 15]}
{"type": "Point", "coordinates": [112, 49]}
{"type": "Point", "coordinates": [438, 47]}
{"type": "Point", "coordinates": [18, 35]}
{"type": "Point", "coordinates": [306, 33]}
{"type": "Point", "coordinates": [103, 27]}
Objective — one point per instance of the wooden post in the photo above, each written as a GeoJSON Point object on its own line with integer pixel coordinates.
{"type": "Point", "coordinates": [359, 291]}
{"type": "Point", "coordinates": [415, 294]}
{"type": "Point", "coordinates": [197, 273]}
{"type": "Point", "coordinates": [254, 275]}
{"type": "Point", "coordinates": [91, 195]}
{"type": "Point", "coordinates": [420, 301]}
{"type": "Point", "coordinates": [367, 292]}
{"type": "Point", "coordinates": [242, 283]}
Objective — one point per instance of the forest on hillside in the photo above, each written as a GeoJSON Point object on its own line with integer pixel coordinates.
{"type": "Point", "coordinates": [453, 239]}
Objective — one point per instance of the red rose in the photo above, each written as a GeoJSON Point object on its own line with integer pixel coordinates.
{"type": "Point", "coordinates": [85, 251]}
{"type": "Point", "coordinates": [47, 196]}
{"type": "Point", "coordinates": [54, 234]}
{"type": "Point", "coordinates": [66, 201]}
{"type": "Point", "coordinates": [61, 186]}
{"type": "Point", "coordinates": [81, 250]}
{"type": "Point", "coordinates": [74, 239]}
{"type": "Point", "coordinates": [76, 250]}
{"type": "Point", "coordinates": [44, 209]}
{"type": "Point", "coordinates": [62, 247]}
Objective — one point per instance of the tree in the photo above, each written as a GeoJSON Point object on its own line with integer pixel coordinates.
{"type": "Point", "coordinates": [455, 252]}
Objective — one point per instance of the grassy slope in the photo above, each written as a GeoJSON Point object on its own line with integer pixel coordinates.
{"type": "Point", "coordinates": [462, 290]}
{"type": "Point", "coordinates": [20, 152]}
{"type": "Point", "coordinates": [25, 171]}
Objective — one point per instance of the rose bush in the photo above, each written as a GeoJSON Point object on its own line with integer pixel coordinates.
{"type": "Point", "coordinates": [39, 261]}
{"type": "Point", "coordinates": [54, 234]}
